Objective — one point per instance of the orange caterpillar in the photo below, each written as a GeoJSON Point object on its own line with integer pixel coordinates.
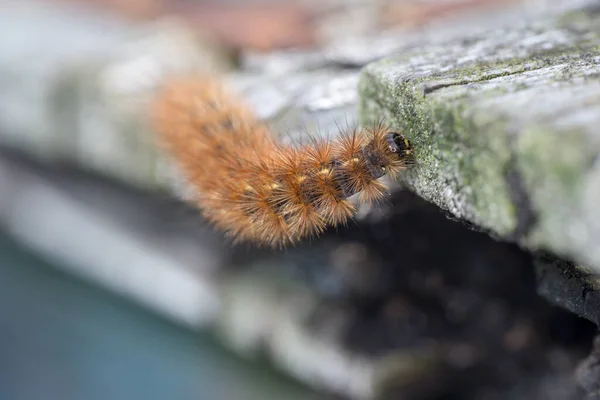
{"type": "Point", "coordinates": [257, 189]}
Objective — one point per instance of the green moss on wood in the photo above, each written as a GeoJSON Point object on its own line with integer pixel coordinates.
{"type": "Point", "coordinates": [500, 166]}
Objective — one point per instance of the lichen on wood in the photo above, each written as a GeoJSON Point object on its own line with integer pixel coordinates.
{"type": "Point", "coordinates": [505, 129]}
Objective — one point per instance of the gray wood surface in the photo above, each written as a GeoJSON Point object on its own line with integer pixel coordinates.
{"type": "Point", "coordinates": [505, 128]}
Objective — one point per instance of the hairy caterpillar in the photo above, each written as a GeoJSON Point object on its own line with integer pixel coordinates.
{"type": "Point", "coordinates": [255, 188]}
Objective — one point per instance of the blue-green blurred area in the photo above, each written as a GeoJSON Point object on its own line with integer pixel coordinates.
{"type": "Point", "coordinates": [61, 338]}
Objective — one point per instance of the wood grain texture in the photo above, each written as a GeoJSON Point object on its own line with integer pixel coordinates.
{"type": "Point", "coordinates": [505, 128]}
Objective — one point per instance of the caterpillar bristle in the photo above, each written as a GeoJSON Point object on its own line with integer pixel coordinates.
{"type": "Point", "coordinates": [256, 189]}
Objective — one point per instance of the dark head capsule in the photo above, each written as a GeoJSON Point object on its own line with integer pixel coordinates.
{"type": "Point", "coordinates": [400, 145]}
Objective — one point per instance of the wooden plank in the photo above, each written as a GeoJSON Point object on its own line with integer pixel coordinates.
{"type": "Point", "coordinates": [505, 128]}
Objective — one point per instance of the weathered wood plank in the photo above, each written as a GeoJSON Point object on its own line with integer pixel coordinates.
{"type": "Point", "coordinates": [505, 128]}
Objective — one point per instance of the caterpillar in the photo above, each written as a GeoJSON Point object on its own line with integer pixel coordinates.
{"type": "Point", "coordinates": [253, 187]}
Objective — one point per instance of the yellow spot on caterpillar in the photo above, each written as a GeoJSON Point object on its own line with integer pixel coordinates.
{"type": "Point", "coordinates": [325, 171]}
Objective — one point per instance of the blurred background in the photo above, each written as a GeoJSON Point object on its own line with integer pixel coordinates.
{"type": "Point", "coordinates": [112, 288]}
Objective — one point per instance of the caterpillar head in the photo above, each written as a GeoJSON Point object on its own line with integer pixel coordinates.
{"type": "Point", "coordinates": [387, 153]}
{"type": "Point", "coordinates": [399, 145]}
{"type": "Point", "coordinates": [397, 154]}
